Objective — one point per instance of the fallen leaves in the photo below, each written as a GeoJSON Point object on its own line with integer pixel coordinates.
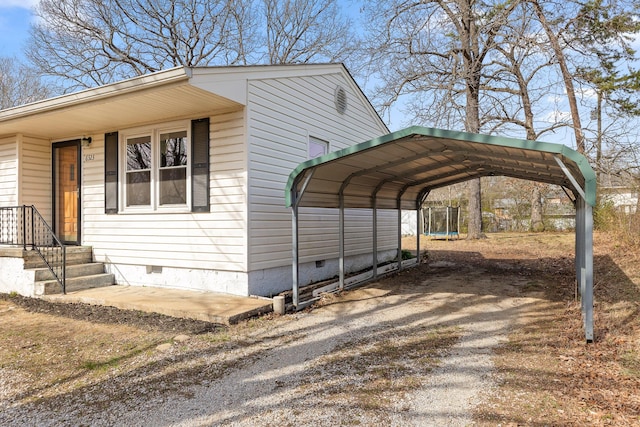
{"type": "Point", "coordinates": [554, 377]}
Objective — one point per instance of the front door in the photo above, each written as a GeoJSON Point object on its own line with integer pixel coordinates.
{"type": "Point", "coordinates": [66, 191]}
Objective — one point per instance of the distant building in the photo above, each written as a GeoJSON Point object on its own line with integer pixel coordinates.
{"type": "Point", "coordinates": [623, 198]}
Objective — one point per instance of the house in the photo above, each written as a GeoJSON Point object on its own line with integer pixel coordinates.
{"type": "Point", "coordinates": [176, 179]}
{"type": "Point", "coordinates": [622, 197]}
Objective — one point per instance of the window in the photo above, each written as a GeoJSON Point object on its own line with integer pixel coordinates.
{"type": "Point", "coordinates": [161, 169]}
{"type": "Point", "coordinates": [156, 169]}
{"type": "Point", "coordinates": [139, 171]}
{"type": "Point", "coordinates": [317, 147]}
{"type": "Point", "coordinates": [173, 168]}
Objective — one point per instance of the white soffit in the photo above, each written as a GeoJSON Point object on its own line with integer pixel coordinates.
{"type": "Point", "coordinates": [112, 107]}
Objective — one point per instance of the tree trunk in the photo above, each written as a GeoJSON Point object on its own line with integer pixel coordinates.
{"type": "Point", "coordinates": [473, 66]}
{"type": "Point", "coordinates": [566, 75]}
{"type": "Point", "coordinates": [638, 196]}
{"type": "Point", "coordinates": [474, 222]}
{"type": "Point", "coordinates": [537, 224]}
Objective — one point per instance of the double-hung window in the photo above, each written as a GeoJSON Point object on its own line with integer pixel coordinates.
{"type": "Point", "coordinates": [162, 168]}
{"type": "Point", "coordinates": [138, 171]}
{"type": "Point", "coordinates": [156, 169]}
{"type": "Point", "coordinates": [172, 169]}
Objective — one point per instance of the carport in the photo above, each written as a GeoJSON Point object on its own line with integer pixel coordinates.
{"type": "Point", "coordinates": [398, 170]}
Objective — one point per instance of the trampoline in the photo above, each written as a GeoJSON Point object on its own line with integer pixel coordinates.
{"type": "Point", "coordinates": [442, 222]}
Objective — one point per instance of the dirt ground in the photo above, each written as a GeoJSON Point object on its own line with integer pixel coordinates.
{"type": "Point", "coordinates": [482, 333]}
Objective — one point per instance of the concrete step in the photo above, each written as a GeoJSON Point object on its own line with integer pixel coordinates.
{"type": "Point", "coordinates": [49, 287]}
{"type": "Point", "coordinates": [76, 270]}
{"type": "Point", "coordinates": [74, 255]}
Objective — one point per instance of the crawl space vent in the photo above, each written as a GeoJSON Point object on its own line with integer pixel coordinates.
{"type": "Point", "coordinates": [341, 100]}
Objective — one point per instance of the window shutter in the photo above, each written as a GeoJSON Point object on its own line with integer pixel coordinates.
{"type": "Point", "coordinates": [200, 165]}
{"type": "Point", "coordinates": [111, 173]}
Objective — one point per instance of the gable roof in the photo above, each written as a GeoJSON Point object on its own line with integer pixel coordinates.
{"type": "Point", "coordinates": [409, 163]}
{"type": "Point", "coordinates": [176, 93]}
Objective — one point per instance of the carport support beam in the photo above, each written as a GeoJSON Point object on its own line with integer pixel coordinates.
{"type": "Point", "coordinates": [341, 241]}
{"type": "Point", "coordinates": [375, 236]}
{"type": "Point", "coordinates": [399, 205]}
{"type": "Point", "coordinates": [584, 251]}
{"type": "Point", "coordinates": [588, 271]}
{"type": "Point", "coordinates": [295, 231]}
{"type": "Point", "coordinates": [584, 263]}
{"type": "Point", "coordinates": [295, 254]}
{"type": "Point", "coordinates": [420, 200]}
{"type": "Point", "coordinates": [418, 228]}
{"type": "Point", "coordinates": [579, 249]}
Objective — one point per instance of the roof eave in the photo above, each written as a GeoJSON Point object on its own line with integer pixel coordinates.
{"type": "Point", "coordinates": [147, 81]}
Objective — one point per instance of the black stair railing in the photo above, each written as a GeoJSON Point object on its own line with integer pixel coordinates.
{"type": "Point", "coordinates": [24, 226]}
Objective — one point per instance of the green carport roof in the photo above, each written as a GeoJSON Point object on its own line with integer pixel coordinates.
{"type": "Point", "coordinates": [413, 161]}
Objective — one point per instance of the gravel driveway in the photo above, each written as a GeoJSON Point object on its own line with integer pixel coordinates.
{"type": "Point", "coordinates": [412, 349]}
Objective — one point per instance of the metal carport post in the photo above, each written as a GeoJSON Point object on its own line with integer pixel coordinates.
{"type": "Point", "coordinates": [583, 250]}
{"type": "Point", "coordinates": [295, 200]}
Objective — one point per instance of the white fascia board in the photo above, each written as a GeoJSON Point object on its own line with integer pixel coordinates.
{"type": "Point", "coordinates": [159, 78]}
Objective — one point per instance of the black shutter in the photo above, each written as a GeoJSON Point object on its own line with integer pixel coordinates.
{"type": "Point", "coordinates": [111, 173]}
{"type": "Point", "coordinates": [200, 165]}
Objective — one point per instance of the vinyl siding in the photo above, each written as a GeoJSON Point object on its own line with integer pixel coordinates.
{"type": "Point", "coordinates": [8, 172]}
{"type": "Point", "coordinates": [35, 175]}
{"type": "Point", "coordinates": [283, 114]}
{"type": "Point", "coordinates": [214, 240]}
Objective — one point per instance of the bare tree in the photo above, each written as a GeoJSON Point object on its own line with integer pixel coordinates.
{"type": "Point", "coordinates": [93, 42]}
{"type": "Point", "coordinates": [554, 40]}
{"type": "Point", "coordinates": [302, 31]}
{"type": "Point", "coordinates": [582, 41]}
{"type": "Point", "coordinates": [587, 35]}
{"type": "Point", "coordinates": [19, 84]}
{"type": "Point", "coordinates": [436, 51]}
{"type": "Point", "coordinates": [519, 79]}
{"type": "Point", "coordinates": [521, 76]}
{"type": "Point", "coordinates": [85, 43]}
{"type": "Point", "coordinates": [605, 33]}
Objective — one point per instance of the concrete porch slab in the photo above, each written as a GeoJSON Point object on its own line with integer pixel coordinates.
{"type": "Point", "coordinates": [207, 306]}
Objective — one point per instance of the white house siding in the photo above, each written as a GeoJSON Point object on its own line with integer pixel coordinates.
{"type": "Point", "coordinates": [8, 172]}
{"type": "Point", "coordinates": [35, 175]}
{"type": "Point", "coordinates": [283, 114]}
{"type": "Point", "coordinates": [158, 249]}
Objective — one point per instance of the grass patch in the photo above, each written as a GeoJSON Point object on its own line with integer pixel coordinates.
{"type": "Point", "coordinates": [57, 356]}
{"type": "Point", "coordinates": [630, 363]}
{"type": "Point", "coordinates": [91, 365]}
{"type": "Point", "coordinates": [216, 338]}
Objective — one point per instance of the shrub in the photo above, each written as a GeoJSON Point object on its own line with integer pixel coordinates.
{"type": "Point", "coordinates": [406, 254]}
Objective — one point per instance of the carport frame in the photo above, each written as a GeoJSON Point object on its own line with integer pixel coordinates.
{"type": "Point", "coordinates": [403, 167]}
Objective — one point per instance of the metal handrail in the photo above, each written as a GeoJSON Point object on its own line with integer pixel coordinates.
{"type": "Point", "coordinates": [24, 226]}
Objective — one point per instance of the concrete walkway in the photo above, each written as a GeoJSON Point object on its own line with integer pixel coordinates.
{"type": "Point", "coordinates": [207, 306]}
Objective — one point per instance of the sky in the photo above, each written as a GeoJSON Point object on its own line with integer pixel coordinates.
{"type": "Point", "coordinates": [15, 16]}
